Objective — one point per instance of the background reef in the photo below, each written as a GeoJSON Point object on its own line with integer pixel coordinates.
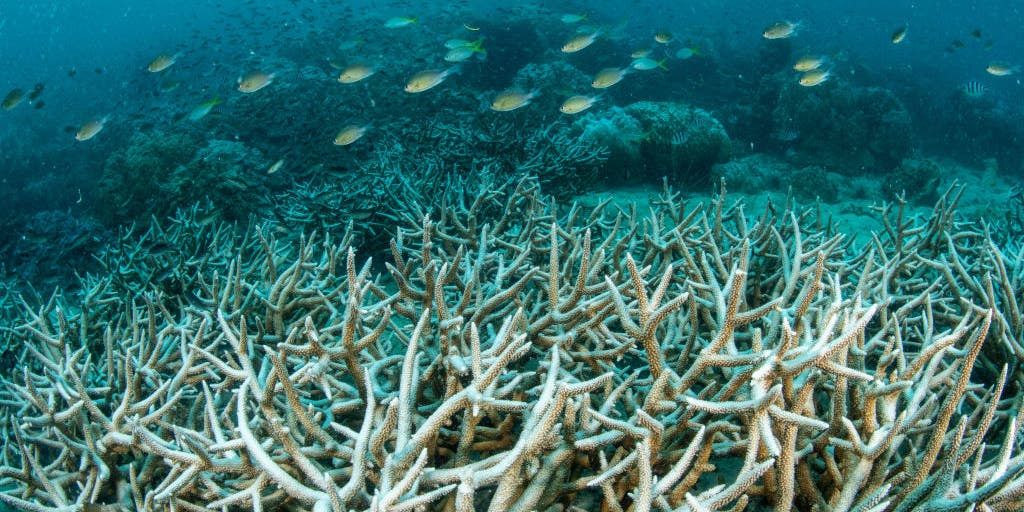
{"type": "Point", "coordinates": [900, 116]}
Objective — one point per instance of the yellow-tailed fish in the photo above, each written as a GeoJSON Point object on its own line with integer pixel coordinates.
{"type": "Point", "coordinates": [254, 81]}
{"type": "Point", "coordinates": [687, 52]}
{"type": "Point", "coordinates": [577, 104]}
{"type": "Point", "coordinates": [13, 99]}
{"type": "Point", "coordinates": [809, 62]}
{"type": "Point", "coordinates": [573, 18]}
{"type": "Point", "coordinates": [899, 35]}
{"type": "Point", "coordinates": [1000, 68]}
{"type": "Point", "coordinates": [428, 79]}
{"type": "Point", "coordinates": [815, 77]}
{"type": "Point", "coordinates": [90, 129]}
{"type": "Point", "coordinates": [511, 99]}
{"type": "Point", "coordinates": [202, 109]}
{"type": "Point", "coordinates": [780, 30]}
{"type": "Point", "coordinates": [464, 52]}
{"type": "Point", "coordinates": [663, 37]}
{"type": "Point", "coordinates": [608, 77]}
{"type": "Point", "coordinates": [276, 167]}
{"type": "Point", "coordinates": [350, 134]}
{"type": "Point", "coordinates": [399, 22]}
{"type": "Point", "coordinates": [162, 62]}
{"type": "Point", "coordinates": [579, 42]}
{"type": "Point", "coordinates": [355, 73]}
{"type": "Point", "coordinates": [647, 64]}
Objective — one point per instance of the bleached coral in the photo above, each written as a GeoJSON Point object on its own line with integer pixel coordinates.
{"type": "Point", "coordinates": [535, 358]}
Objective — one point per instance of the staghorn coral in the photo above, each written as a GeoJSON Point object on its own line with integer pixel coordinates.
{"type": "Point", "coordinates": [500, 148]}
{"type": "Point", "coordinates": [523, 358]}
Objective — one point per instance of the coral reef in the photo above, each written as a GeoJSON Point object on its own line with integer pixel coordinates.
{"type": "Point", "coordinates": [47, 248]}
{"type": "Point", "coordinates": [989, 127]}
{"type": "Point", "coordinates": [135, 176]}
{"type": "Point", "coordinates": [521, 357]}
{"type": "Point", "coordinates": [839, 125]}
{"type": "Point", "coordinates": [650, 141]}
{"type": "Point", "coordinates": [159, 172]}
{"type": "Point", "coordinates": [813, 183]}
{"type": "Point", "coordinates": [228, 173]}
{"type": "Point", "coordinates": [752, 173]}
{"type": "Point", "coordinates": [548, 78]}
{"type": "Point", "coordinates": [682, 142]}
{"type": "Point", "coordinates": [621, 134]}
{"type": "Point", "coordinates": [918, 179]}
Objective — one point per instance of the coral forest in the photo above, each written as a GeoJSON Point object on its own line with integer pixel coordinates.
{"type": "Point", "coordinates": [511, 354]}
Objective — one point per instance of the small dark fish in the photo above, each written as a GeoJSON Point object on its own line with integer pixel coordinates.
{"type": "Point", "coordinates": [39, 104]}
{"type": "Point", "coordinates": [98, 71]}
{"type": "Point", "coordinates": [36, 91]}
{"type": "Point", "coordinates": [13, 99]}
{"type": "Point", "coordinates": [70, 129]}
{"type": "Point", "coordinates": [72, 72]}
{"type": "Point", "coordinates": [976, 33]}
{"type": "Point", "coordinates": [899, 35]}
{"type": "Point", "coordinates": [958, 43]}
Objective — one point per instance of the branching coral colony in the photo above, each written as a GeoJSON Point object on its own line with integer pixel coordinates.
{"type": "Point", "coordinates": [692, 360]}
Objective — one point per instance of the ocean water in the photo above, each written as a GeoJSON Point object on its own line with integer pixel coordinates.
{"type": "Point", "coordinates": [125, 120]}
